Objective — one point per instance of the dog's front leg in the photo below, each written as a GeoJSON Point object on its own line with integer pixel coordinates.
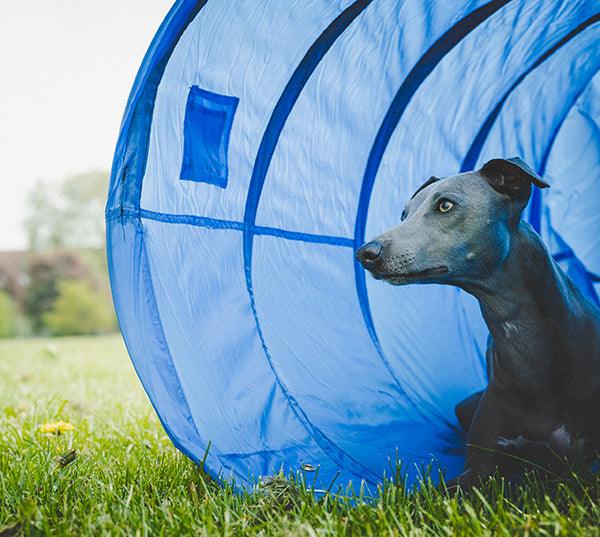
{"type": "Point", "coordinates": [483, 456]}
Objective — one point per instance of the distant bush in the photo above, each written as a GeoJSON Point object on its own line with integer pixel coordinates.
{"type": "Point", "coordinates": [8, 316]}
{"type": "Point", "coordinates": [45, 272]}
{"type": "Point", "coordinates": [79, 310]}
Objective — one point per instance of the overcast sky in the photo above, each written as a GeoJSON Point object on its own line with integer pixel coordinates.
{"type": "Point", "coordinates": [67, 68]}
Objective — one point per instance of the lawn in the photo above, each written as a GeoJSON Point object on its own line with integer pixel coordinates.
{"type": "Point", "coordinates": [125, 477]}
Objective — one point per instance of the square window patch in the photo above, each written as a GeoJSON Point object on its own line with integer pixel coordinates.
{"type": "Point", "coordinates": [206, 129]}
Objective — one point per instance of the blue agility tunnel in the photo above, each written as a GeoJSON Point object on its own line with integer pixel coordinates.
{"type": "Point", "coordinates": [262, 143]}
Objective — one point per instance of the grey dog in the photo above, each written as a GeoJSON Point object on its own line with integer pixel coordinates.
{"type": "Point", "coordinates": [542, 402]}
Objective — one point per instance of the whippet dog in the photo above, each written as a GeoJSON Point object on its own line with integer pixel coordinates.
{"type": "Point", "coordinates": [543, 397]}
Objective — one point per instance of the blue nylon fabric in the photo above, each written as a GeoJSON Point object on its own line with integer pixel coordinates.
{"type": "Point", "coordinates": [129, 162]}
{"type": "Point", "coordinates": [206, 131]}
{"type": "Point", "coordinates": [575, 158]}
{"type": "Point", "coordinates": [238, 300]}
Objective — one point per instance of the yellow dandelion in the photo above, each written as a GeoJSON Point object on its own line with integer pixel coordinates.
{"type": "Point", "coordinates": [58, 427]}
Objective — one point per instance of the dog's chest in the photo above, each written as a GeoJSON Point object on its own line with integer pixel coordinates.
{"type": "Point", "coordinates": [510, 329]}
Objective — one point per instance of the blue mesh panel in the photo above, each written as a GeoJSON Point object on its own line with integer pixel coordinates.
{"type": "Point", "coordinates": [208, 120]}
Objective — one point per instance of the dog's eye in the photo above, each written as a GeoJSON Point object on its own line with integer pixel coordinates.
{"type": "Point", "coordinates": [445, 205]}
{"type": "Point", "coordinates": [403, 216]}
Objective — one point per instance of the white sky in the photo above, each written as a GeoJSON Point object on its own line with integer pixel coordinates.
{"type": "Point", "coordinates": [66, 70]}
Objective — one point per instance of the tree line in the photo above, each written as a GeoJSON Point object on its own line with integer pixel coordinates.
{"type": "Point", "coordinates": [59, 286]}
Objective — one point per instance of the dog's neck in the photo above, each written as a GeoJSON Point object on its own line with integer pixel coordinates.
{"type": "Point", "coordinates": [528, 304]}
{"type": "Point", "coordinates": [528, 283]}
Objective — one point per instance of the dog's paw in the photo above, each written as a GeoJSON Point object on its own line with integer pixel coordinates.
{"type": "Point", "coordinates": [464, 482]}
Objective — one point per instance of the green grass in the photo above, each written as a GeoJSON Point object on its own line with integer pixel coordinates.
{"type": "Point", "coordinates": [127, 479]}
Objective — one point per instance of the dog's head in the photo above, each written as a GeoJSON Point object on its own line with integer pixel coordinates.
{"type": "Point", "coordinates": [454, 229]}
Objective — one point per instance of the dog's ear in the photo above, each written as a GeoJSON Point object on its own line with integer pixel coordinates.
{"type": "Point", "coordinates": [431, 180]}
{"type": "Point", "coordinates": [511, 177]}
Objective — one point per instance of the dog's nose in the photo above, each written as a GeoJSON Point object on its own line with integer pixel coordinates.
{"type": "Point", "coordinates": [368, 253]}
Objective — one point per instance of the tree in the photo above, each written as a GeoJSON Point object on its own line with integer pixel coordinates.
{"type": "Point", "coordinates": [65, 227]}
{"type": "Point", "coordinates": [70, 215]}
{"type": "Point", "coordinates": [45, 271]}
{"type": "Point", "coordinates": [83, 197]}
{"type": "Point", "coordinates": [79, 310]}
{"type": "Point", "coordinates": [43, 224]}
{"type": "Point", "coordinates": [8, 316]}
{"type": "Point", "coordinates": [41, 293]}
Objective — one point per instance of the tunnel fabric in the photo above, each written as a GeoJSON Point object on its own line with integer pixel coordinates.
{"type": "Point", "coordinates": [261, 144]}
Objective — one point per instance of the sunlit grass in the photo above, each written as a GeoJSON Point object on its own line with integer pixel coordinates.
{"type": "Point", "coordinates": [116, 472]}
